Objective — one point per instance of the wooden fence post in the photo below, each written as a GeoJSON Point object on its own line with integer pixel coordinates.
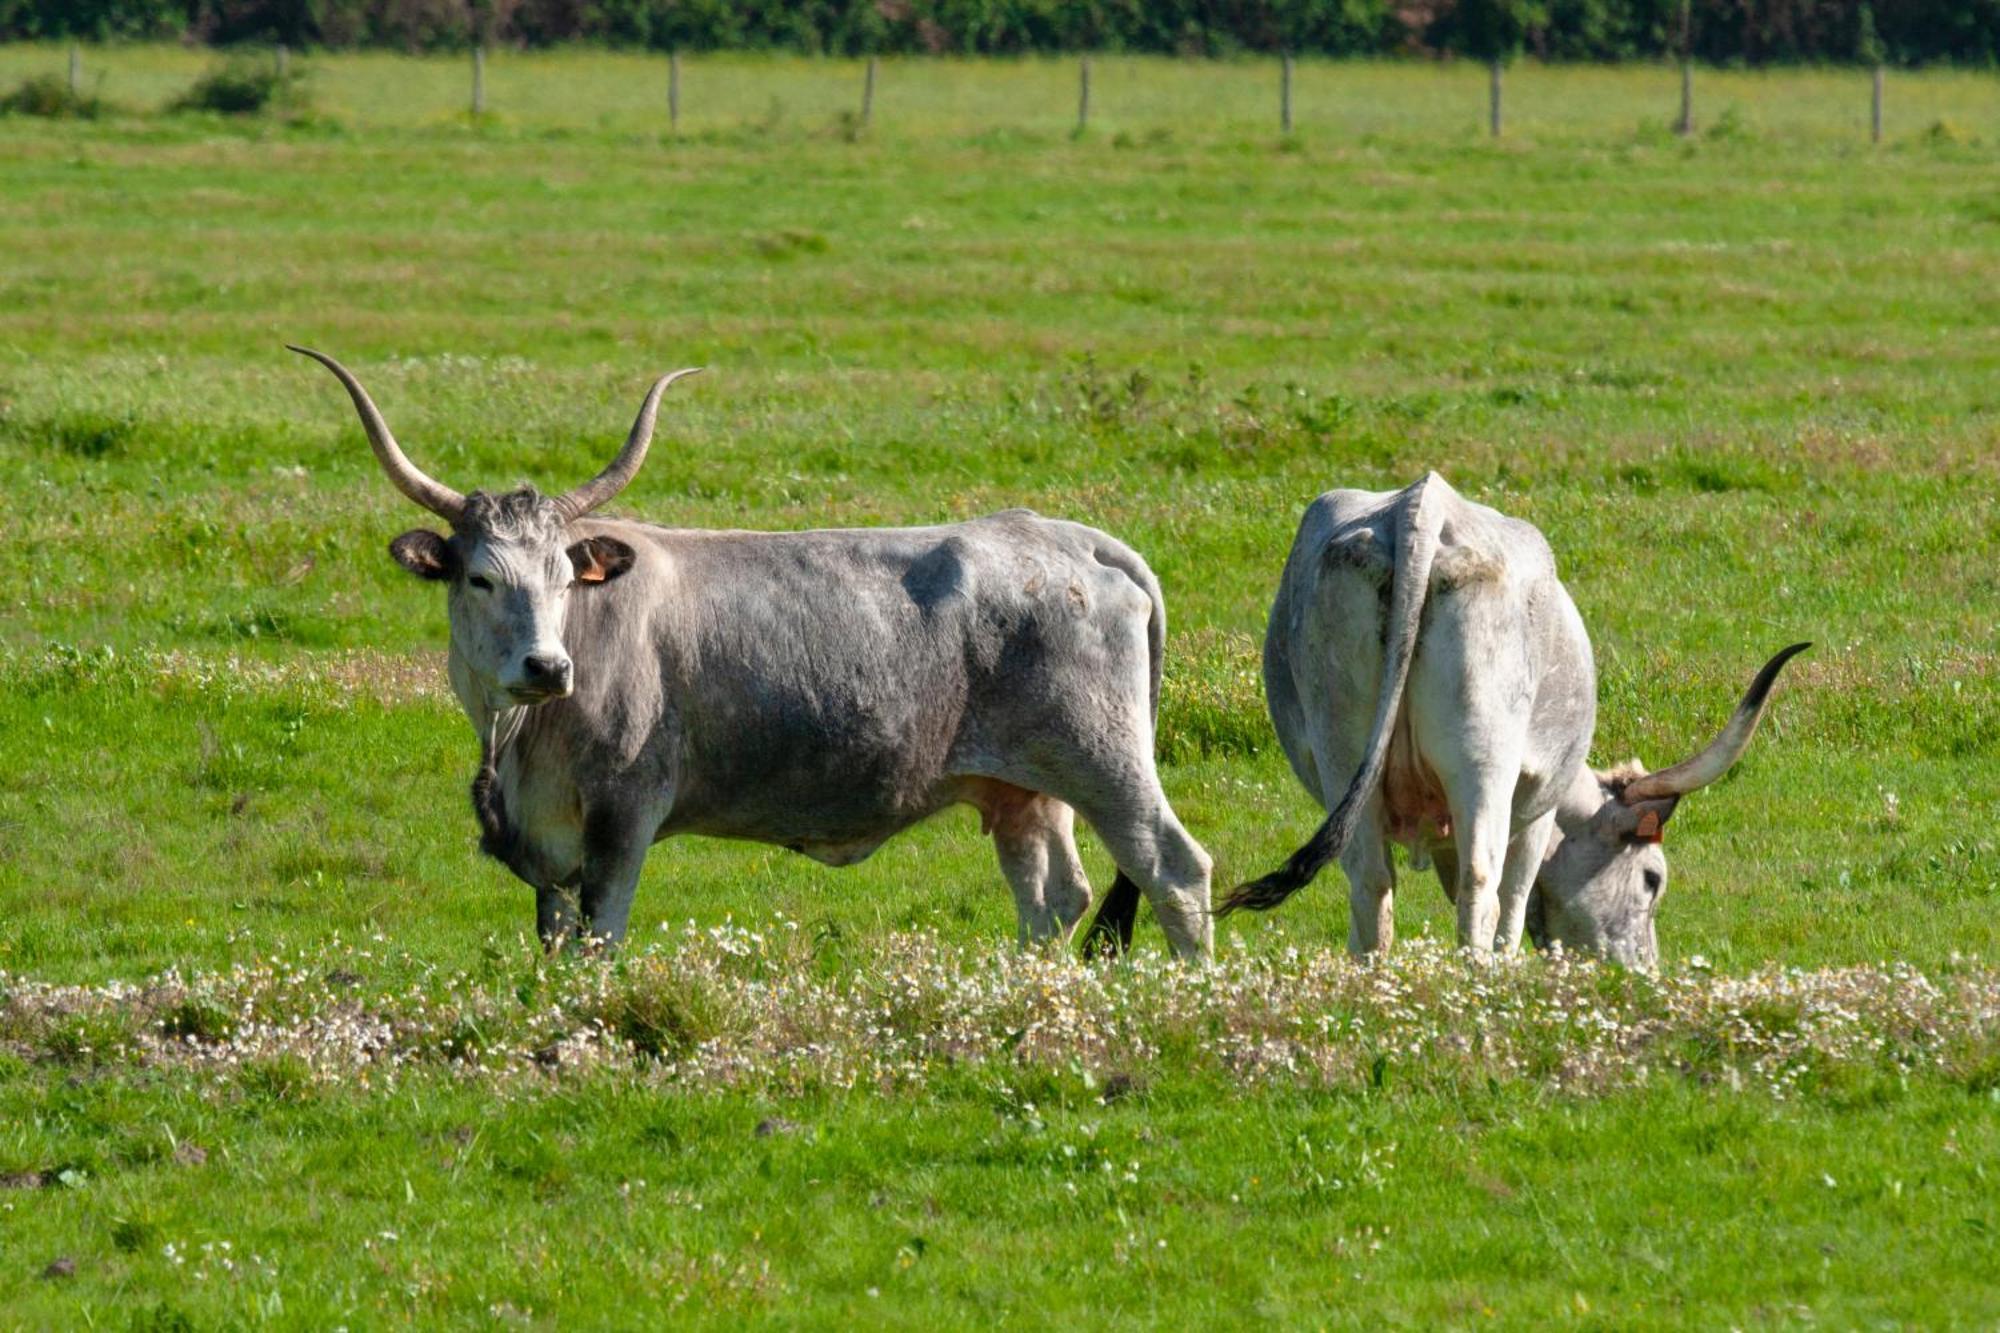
{"type": "Point", "coordinates": [1083, 98]}
{"type": "Point", "coordinates": [1493, 100]}
{"type": "Point", "coordinates": [1285, 95]}
{"type": "Point", "coordinates": [1685, 125]}
{"type": "Point", "coordinates": [284, 63]}
{"type": "Point", "coordinates": [478, 79]}
{"type": "Point", "coordinates": [868, 95]}
{"type": "Point", "coordinates": [674, 92]}
{"type": "Point", "coordinates": [75, 69]}
{"type": "Point", "coordinates": [1875, 109]}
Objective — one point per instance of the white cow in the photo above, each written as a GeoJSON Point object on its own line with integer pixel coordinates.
{"type": "Point", "coordinates": [1432, 684]}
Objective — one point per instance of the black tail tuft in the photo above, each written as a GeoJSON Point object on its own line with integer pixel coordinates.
{"type": "Point", "coordinates": [1261, 895]}
{"type": "Point", "coordinates": [1110, 930]}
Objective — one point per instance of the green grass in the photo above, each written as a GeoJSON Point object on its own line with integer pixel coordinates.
{"type": "Point", "coordinates": [443, 1207]}
{"type": "Point", "coordinates": [1746, 384]}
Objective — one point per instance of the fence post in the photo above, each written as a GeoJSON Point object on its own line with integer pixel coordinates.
{"type": "Point", "coordinates": [1875, 109]}
{"type": "Point", "coordinates": [1285, 94]}
{"type": "Point", "coordinates": [868, 95]}
{"type": "Point", "coordinates": [284, 61]}
{"type": "Point", "coordinates": [1685, 125]}
{"type": "Point", "coordinates": [674, 91]}
{"type": "Point", "coordinates": [75, 69]}
{"type": "Point", "coordinates": [478, 79]}
{"type": "Point", "coordinates": [1083, 98]}
{"type": "Point", "coordinates": [1493, 100]}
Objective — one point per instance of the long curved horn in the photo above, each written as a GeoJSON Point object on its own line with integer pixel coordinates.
{"type": "Point", "coordinates": [1722, 752]}
{"type": "Point", "coordinates": [626, 466]}
{"type": "Point", "coordinates": [440, 499]}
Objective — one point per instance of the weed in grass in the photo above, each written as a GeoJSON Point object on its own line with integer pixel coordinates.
{"type": "Point", "coordinates": [848, 127]}
{"type": "Point", "coordinates": [789, 243]}
{"type": "Point", "coordinates": [162, 1317]}
{"type": "Point", "coordinates": [197, 1019]}
{"type": "Point", "coordinates": [1945, 133]}
{"type": "Point", "coordinates": [87, 435]}
{"type": "Point", "coordinates": [130, 1235]}
{"type": "Point", "coordinates": [84, 1039]}
{"type": "Point", "coordinates": [243, 87]}
{"type": "Point", "coordinates": [49, 96]}
{"type": "Point", "coordinates": [281, 1077]}
{"type": "Point", "coordinates": [1729, 127]}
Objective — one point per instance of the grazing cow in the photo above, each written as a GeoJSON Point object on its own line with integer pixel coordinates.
{"type": "Point", "coordinates": [1431, 683]}
{"type": "Point", "coordinates": [817, 690]}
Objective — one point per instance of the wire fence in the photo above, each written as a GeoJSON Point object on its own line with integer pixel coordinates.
{"type": "Point", "coordinates": [917, 97]}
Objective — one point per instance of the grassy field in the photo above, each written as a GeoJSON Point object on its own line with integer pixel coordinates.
{"type": "Point", "coordinates": [1748, 384]}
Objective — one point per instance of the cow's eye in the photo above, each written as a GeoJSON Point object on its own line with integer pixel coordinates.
{"type": "Point", "coordinates": [481, 582]}
{"type": "Point", "coordinates": [1653, 882]}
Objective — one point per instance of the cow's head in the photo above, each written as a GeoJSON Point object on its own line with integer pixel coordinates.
{"type": "Point", "coordinates": [511, 560]}
{"type": "Point", "coordinates": [1601, 884]}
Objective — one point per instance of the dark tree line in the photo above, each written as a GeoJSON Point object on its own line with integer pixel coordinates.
{"type": "Point", "coordinates": [1718, 31]}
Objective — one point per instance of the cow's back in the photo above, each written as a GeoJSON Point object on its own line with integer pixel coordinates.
{"type": "Point", "coordinates": [1497, 628]}
{"type": "Point", "coordinates": [818, 687]}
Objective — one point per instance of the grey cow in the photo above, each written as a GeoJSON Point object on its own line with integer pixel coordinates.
{"type": "Point", "coordinates": [1432, 683]}
{"type": "Point", "coordinates": [817, 690]}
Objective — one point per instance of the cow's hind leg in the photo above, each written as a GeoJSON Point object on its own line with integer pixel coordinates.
{"type": "Point", "coordinates": [1110, 930]}
{"type": "Point", "coordinates": [1149, 844]}
{"type": "Point", "coordinates": [1371, 886]}
{"type": "Point", "coordinates": [1471, 735]}
{"type": "Point", "coordinates": [1482, 822]}
{"type": "Point", "coordinates": [1477, 766]}
{"type": "Point", "coordinates": [1035, 837]}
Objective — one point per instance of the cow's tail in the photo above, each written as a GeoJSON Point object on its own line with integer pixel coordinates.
{"type": "Point", "coordinates": [1410, 580]}
{"type": "Point", "coordinates": [1110, 931]}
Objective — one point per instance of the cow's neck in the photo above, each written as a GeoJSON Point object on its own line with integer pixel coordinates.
{"type": "Point", "coordinates": [506, 734]}
{"type": "Point", "coordinates": [497, 723]}
{"type": "Point", "coordinates": [1582, 798]}
{"type": "Point", "coordinates": [499, 734]}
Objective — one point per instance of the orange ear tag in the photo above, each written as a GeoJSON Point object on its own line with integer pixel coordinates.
{"type": "Point", "coordinates": [1649, 827]}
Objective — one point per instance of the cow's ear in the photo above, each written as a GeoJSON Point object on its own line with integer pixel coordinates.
{"type": "Point", "coordinates": [425, 554]}
{"type": "Point", "coordinates": [599, 559]}
{"type": "Point", "coordinates": [1640, 821]}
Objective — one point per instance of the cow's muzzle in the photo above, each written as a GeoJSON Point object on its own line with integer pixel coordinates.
{"type": "Point", "coordinates": [544, 676]}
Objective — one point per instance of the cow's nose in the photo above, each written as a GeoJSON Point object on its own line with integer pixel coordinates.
{"type": "Point", "coordinates": [546, 669]}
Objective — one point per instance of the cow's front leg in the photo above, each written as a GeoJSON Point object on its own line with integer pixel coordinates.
{"type": "Point", "coordinates": [615, 842]}
{"type": "Point", "coordinates": [1371, 885]}
{"type": "Point", "coordinates": [1036, 841]}
{"type": "Point", "coordinates": [555, 915]}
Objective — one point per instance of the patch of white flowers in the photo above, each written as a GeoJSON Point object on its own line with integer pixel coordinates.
{"type": "Point", "coordinates": [738, 1007]}
{"type": "Point", "coordinates": [330, 680]}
